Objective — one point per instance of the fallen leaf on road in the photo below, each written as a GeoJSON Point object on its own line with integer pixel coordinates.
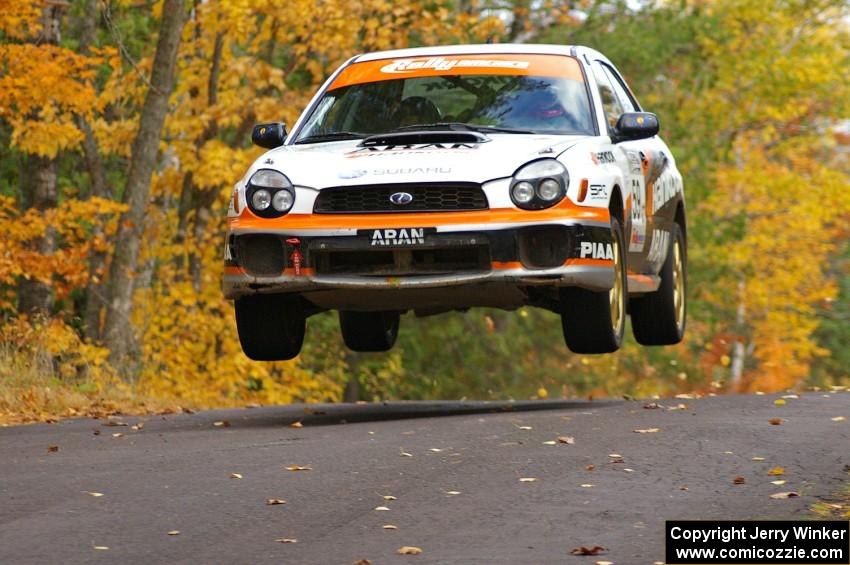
{"type": "Point", "coordinates": [235, 476]}
{"type": "Point", "coordinates": [776, 471]}
{"type": "Point", "coordinates": [286, 540]}
{"type": "Point", "coordinates": [101, 547]}
{"type": "Point", "coordinates": [138, 427]}
{"type": "Point", "coordinates": [113, 423]}
{"type": "Point", "coordinates": [274, 501]}
{"type": "Point", "coordinates": [647, 430]}
{"type": "Point", "coordinates": [569, 440]}
{"type": "Point", "coordinates": [683, 487]}
{"type": "Point", "coordinates": [527, 479]}
{"type": "Point", "coordinates": [94, 494]}
{"type": "Point", "coordinates": [729, 453]}
{"type": "Point", "coordinates": [405, 454]}
{"type": "Point", "coordinates": [615, 456]}
{"type": "Point", "coordinates": [739, 480]}
{"type": "Point", "coordinates": [757, 458]}
{"type": "Point", "coordinates": [590, 467]}
{"type": "Point", "coordinates": [363, 562]}
{"type": "Point", "coordinates": [791, 396]}
{"type": "Point", "coordinates": [222, 424]}
{"type": "Point", "coordinates": [839, 419]}
{"type": "Point", "coordinates": [778, 483]}
{"type": "Point", "coordinates": [686, 396]}
{"type": "Point", "coordinates": [390, 527]}
{"type": "Point", "coordinates": [775, 421]}
{"type": "Point", "coordinates": [587, 485]}
{"type": "Point", "coordinates": [119, 434]}
{"type": "Point", "coordinates": [604, 563]}
{"type": "Point", "coordinates": [782, 495]}
{"type": "Point", "coordinates": [52, 448]}
{"type": "Point", "coordinates": [96, 432]}
{"type": "Point", "coordinates": [296, 425]}
{"type": "Point", "coordinates": [595, 550]}
{"type": "Point", "coordinates": [409, 550]}
{"type": "Point", "coordinates": [526, 428]}
{"type": "Point", "coordinates": [299, 468]}
{"type": "Point", "coordinates": [381, 508]}
{"type": "Point", "coordinates": [174, 533]}
{"type": "Point", "coordinates": [389, 497]}
{"type": "Point", "coordinates": [678, 407]}
{"type": "Point", "coordinates": [627, 470]}
{"type": "Point", "coordinates": [550, 442]}
{"type": "Point", "coordinates": [648, 406]}
{"type": "Point", "coordinates": [779, 401]}
{"type": "Point", "coordinates": [453, 492]}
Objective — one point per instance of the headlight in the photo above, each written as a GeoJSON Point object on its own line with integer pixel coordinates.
{"type": "Point", "coordinates": [283, 201]}
{"type": "Point", "coordinates": [539, 184]}
{"type": "Point", "coordinates": [270, 193]}
{"type": "Point", "coordinates": [261, 199]}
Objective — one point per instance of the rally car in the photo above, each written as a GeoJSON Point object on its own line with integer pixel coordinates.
{"type": "Point", "coordinates": [446, 178]}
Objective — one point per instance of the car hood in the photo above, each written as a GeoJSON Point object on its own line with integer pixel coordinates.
{"type": "Point", "coordinates": [323, 165]}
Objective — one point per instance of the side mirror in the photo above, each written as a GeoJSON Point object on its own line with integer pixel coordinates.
{"type": "Point", "coordinates": [269, 135]}
{"type": "Point", "coordinates": [635, 125]}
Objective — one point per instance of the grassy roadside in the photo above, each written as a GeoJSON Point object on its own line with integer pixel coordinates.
{"type": "Point", "coordinates": [33, 388]}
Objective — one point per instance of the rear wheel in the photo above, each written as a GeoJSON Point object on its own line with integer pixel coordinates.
{"type": "Point", "coordinates": [593, 322]}
{"type": "Point", "coordinates": [369, 331]}
{"type": "Point", "coordinates": [658, 318]}
{"type": "Point", "coordinates": [271, 326]}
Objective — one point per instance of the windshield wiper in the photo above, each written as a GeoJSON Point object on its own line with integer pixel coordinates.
{"type": "Point", "coordinates": [463, 126]}
{"type": "Point", "coordinates": [332, 136]}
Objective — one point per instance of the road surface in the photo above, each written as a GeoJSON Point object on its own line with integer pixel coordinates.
{"type": "Point", "coordinates": [453, 477]}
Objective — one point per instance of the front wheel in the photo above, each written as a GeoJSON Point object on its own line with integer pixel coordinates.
{"type": "Point", "coordinates": [271, 326]}
{"type": "Point", "coordinates": [593, 322]}
{"type": "Point", "coordinates": [369, 331]}
{"type": "Point", "coordinates": [658, 318]}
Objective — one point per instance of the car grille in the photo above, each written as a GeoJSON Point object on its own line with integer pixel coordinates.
{"type": "Point", "coordinates": [432, 197]}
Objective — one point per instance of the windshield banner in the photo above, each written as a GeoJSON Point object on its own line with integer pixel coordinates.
{"type": "Point", "coordinates": [485, 64]}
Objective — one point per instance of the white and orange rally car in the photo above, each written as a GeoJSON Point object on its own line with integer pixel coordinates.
{"type": "Point", "coordinates": [445, 178]}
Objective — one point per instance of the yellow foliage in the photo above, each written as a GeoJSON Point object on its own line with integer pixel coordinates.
{"type": "Point", "coordinates": [41, 88]}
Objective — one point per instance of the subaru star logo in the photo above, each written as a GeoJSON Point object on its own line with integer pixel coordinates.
{"type": "Point", "coordinates": [401, 198]}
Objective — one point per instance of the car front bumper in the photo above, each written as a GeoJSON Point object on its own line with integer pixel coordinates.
{"type": "Point", "coordinates": [562, 252]}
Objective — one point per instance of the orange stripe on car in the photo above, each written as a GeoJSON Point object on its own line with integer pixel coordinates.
{"type": "Point", "coordinates": [565, 210]}
{"type": "Point", "coordinates": [486, 64]}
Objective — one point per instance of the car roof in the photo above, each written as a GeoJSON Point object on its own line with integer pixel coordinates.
{"type": "Point", "coordinates": [481, 49]}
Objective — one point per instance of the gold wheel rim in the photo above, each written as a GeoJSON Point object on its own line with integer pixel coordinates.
{"type": "Point", "coordinates": [615, 295]}
{"type": "Point", "coordinates": [678, 284]}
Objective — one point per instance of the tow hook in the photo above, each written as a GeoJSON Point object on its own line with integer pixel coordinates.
{"type": "Point", "coordinates": [296, 258]}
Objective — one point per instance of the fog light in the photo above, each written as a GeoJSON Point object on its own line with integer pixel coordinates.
{"type": "Point", "coordinates": [523, 192]}
{"type": "Point", "coordinates": [261, 199]}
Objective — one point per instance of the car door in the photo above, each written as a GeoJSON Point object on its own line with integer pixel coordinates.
{"type": "Point", "coordinates": [648, 158]}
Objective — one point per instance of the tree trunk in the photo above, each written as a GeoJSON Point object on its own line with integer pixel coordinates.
{"type": "Point", "coordinates": [117, 332]}
{"type": "Point", "coordinates": [39, 191]}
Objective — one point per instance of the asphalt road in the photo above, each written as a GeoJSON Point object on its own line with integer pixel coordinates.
{"type": "Point", "coordinates": [455, 470]}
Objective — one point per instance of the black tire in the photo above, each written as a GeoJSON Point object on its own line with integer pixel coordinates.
{"type": "Point", "coordinates": [657, 317]}
{"type": "Point", "coordinates": [271, 326]}
{"type": "Point", "coordinates": [587, 316]}
{"type": "Point", "coordinates": [369, 331]}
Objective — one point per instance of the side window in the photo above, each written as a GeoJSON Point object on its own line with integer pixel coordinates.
{"type": "Point", "coordinates": [622, 94]}
{"type": "Point", "coordinates": [611, 105]}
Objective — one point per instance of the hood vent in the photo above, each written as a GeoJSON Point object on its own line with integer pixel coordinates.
{"type": "Point", "coordinates": [438, 137]}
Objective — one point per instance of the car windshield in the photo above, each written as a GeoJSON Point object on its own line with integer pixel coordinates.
{"type": "Point", "coordinates": [511, 99]}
